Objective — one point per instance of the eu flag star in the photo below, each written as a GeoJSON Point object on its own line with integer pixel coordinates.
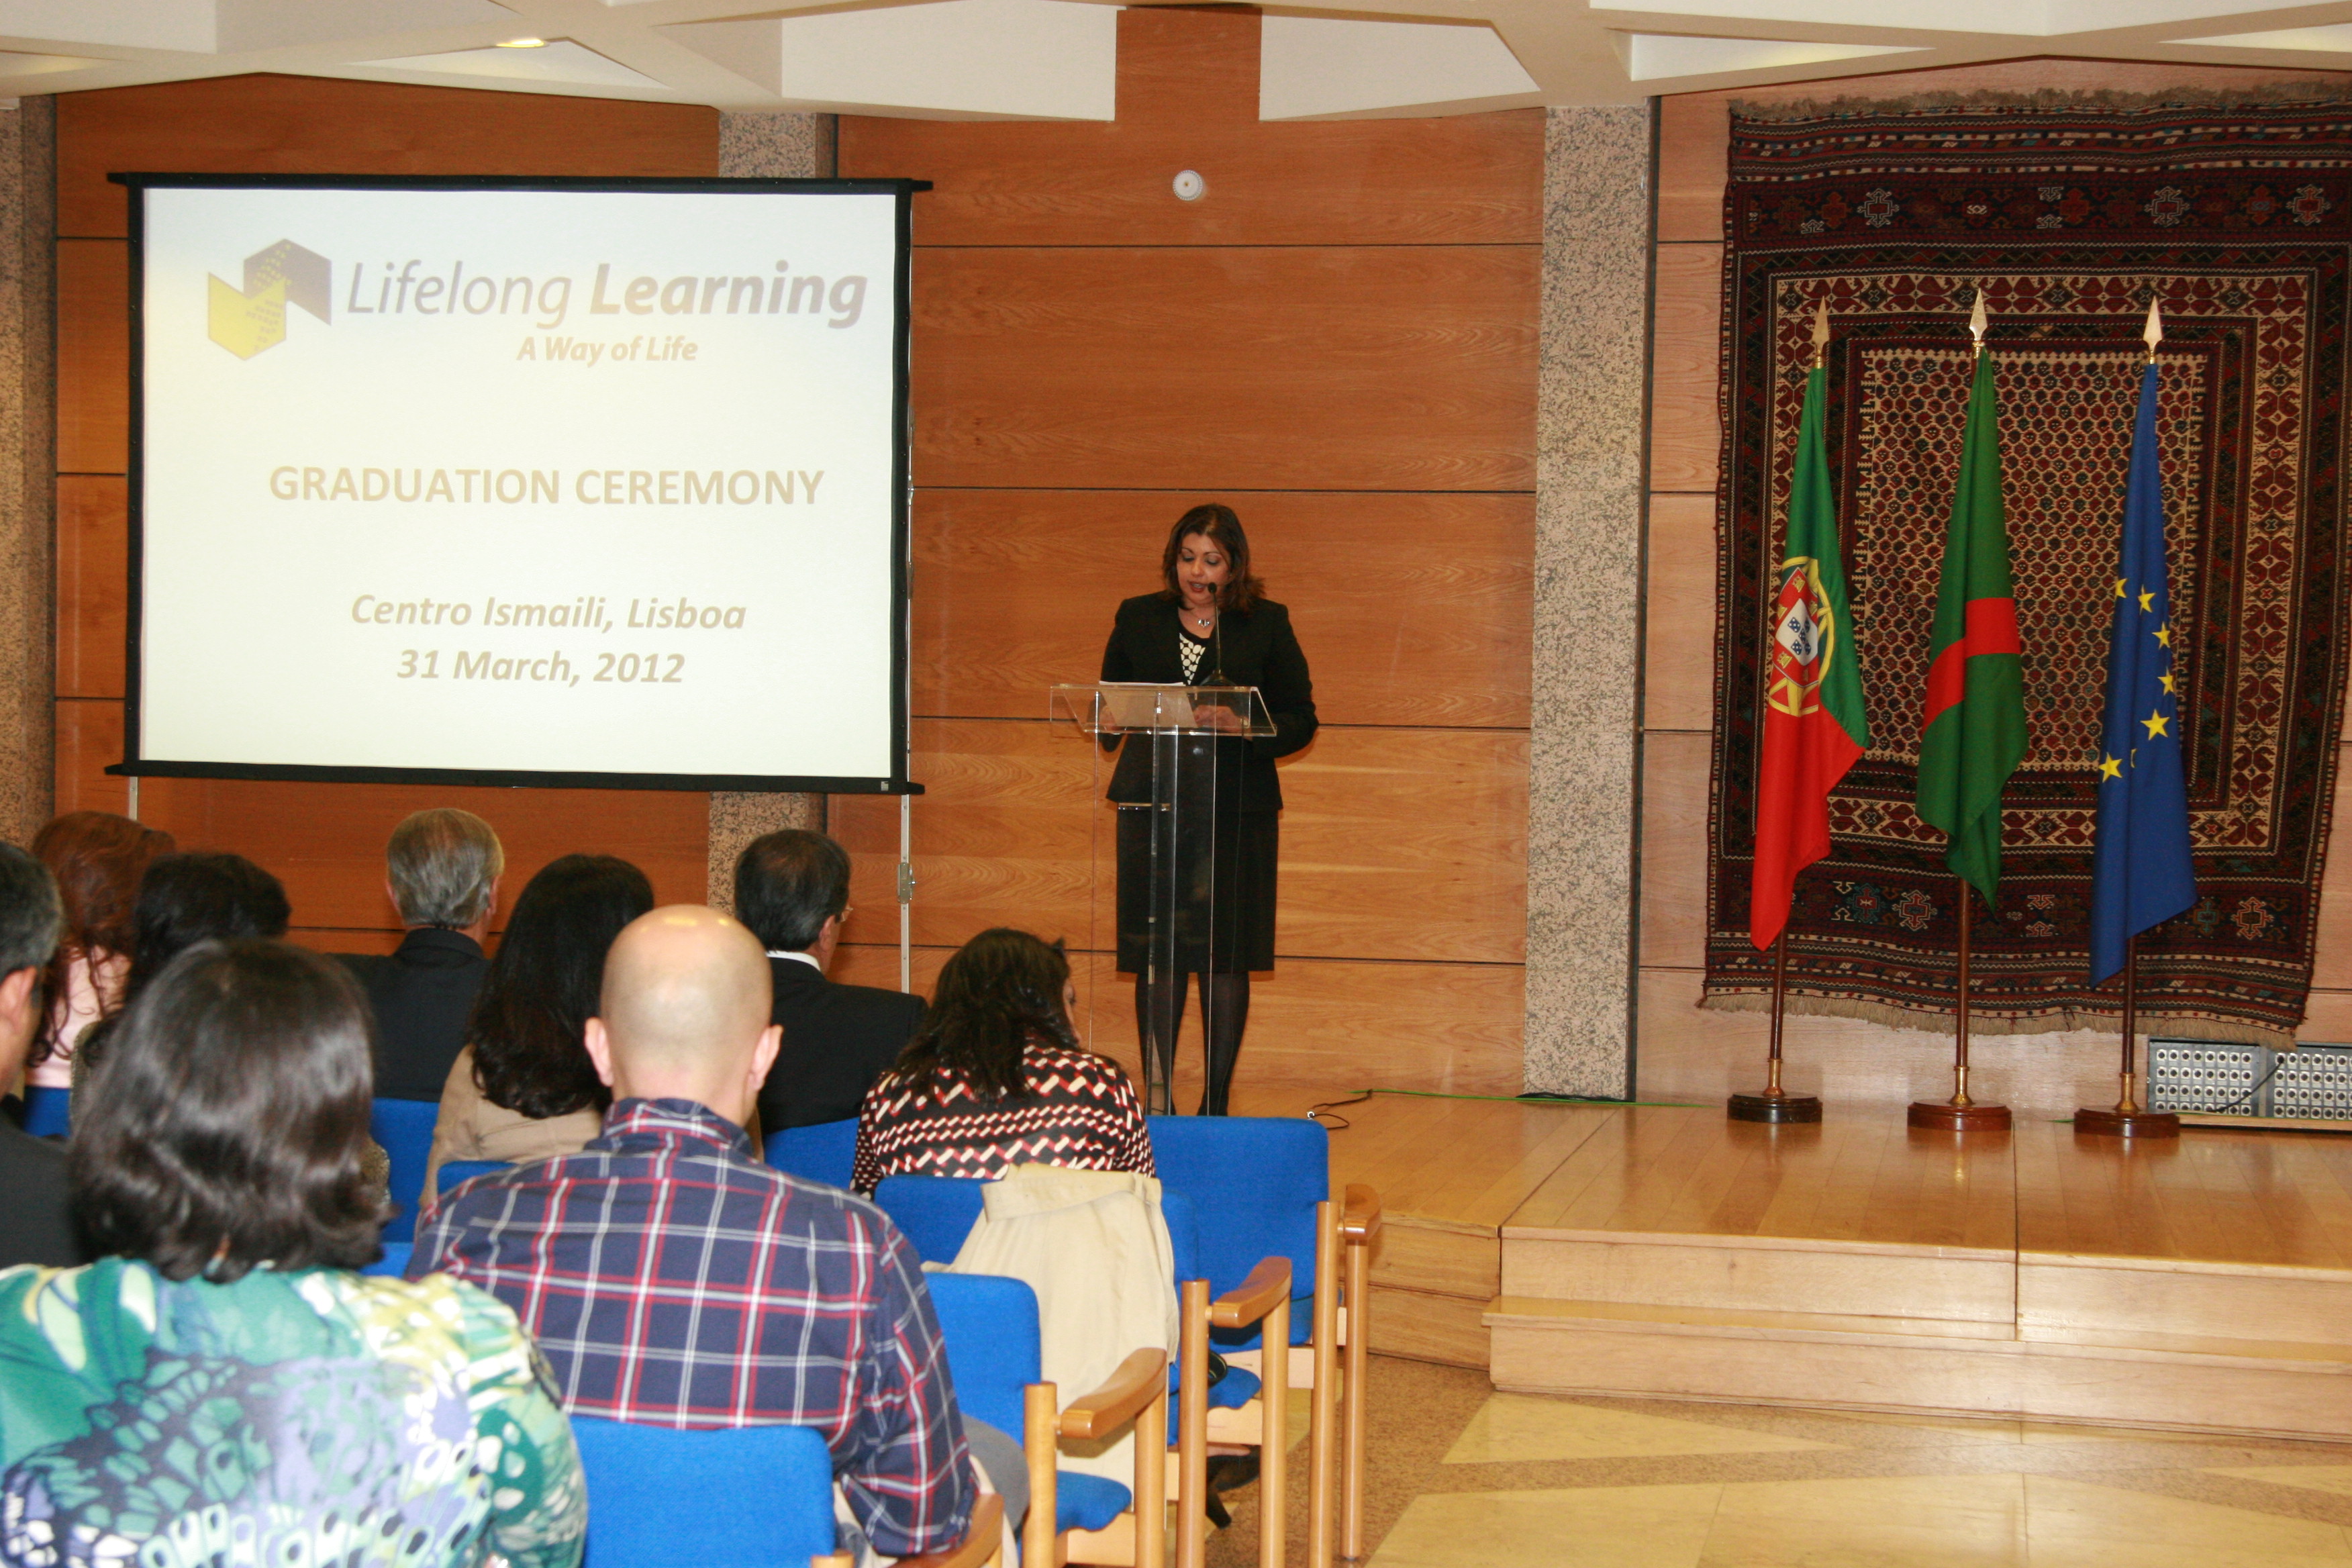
{"type": "Point", "coordinates": [2165, 680]}
{"type": "Point", "coordinates": [2164, 633]}
{"type": "Point", "coordinates": [2148, 599]}
{"type": "Point", "coordinates": [2119, 587]}
{"type": "Point", "coordinates": [2110, 768]}
{"type": "Point", "coordinates": [2155, 723]}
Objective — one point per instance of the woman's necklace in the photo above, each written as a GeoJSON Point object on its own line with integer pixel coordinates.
{"type": "Point", "coordinates": [1201, 624]}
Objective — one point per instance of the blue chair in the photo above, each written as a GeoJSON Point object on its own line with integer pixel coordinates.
{"type": "Point", "coordinates": [822, 1152]}
{"type": "Point", "coordinates": [454, 1173]}
{"type": "Point", "coordinates": [778, 1486]}
{"type": "Point", "coordinates": [394, 1261]}
{"type": "Point", "coordinates": [48, 1111]}
{"type": "Point", "coordinates": [404, 1127]}
{"type": "Point", "coordinates": [989, 1325]}
{"type": "Point", "coordinates": [1254, 1183]}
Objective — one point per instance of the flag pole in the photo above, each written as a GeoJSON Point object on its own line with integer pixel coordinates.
{"type": "Point", "coordinates": [2128, 1118]}
{"type": "Point", "coordinates": [1961, 1115]}
{"type": "Point", "coordinates": [1776, 1104]}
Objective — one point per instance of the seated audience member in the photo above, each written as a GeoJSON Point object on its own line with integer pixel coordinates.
{"type": "Point", "coordinates": [523, 1087]}
{"type": "Point", "coordinates": [35, 1217]}
{"type": "Point", "coordinates": [671, 1279]}
{"type": "Point", "coordinates": [185, 899]}
{"type": "Point", "coordinates": [792, 890]}
{"type": "Point", "coordinates": [220, 1386]}
{"type": "Point", "coordinates": [441, 871]}
{"type": "Point", "coordinates": [996, 1077]}
{"type": "Point", "coordinates": [97, 858]}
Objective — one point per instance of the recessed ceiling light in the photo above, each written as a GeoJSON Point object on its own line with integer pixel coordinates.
{"type": "Point", "coordinates": [522, 43]}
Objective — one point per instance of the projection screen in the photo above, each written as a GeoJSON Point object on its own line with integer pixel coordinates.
{"type": "Point", "coordinates": [553, 482]}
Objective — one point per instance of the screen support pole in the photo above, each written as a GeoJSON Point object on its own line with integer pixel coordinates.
{"type": "Point", "coordinates": [905, 892]}
{"type": "Point", "coordinates": [130, 807]}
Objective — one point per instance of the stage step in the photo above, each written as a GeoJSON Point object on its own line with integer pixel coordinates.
{"type": "Point", "coordinates": [1859, 1361]}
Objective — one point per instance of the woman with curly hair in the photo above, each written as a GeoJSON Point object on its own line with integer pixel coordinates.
{"type": "Point", "coordinates": [523, 1087]}
{"type": "Point", "coordinates": [995, 1078]}
{"type": "Point", "coordinates": [98, 860]}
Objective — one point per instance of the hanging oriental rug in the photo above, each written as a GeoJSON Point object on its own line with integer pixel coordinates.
{"type": "Point", "coordinates": [2238, 220]}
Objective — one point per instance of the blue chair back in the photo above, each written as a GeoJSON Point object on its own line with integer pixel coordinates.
{"type": "Point", "coordinates": [48, 1111]}
{"type": "Point", "coordinates": [394, 1263]}
{"type": "Point", "coordinates": [454, 1172]}
{"type": "Point", "coordinates": [651, 1493]}
{"type": "Point", "coordinates": [824, 1152]}
{"type": "Point", "coordinates": [404, 1127]}
{"type": "Point", "coordinates": [934, 1213]}
{"type": "Point", "coordinates": [1253, 1182]}
{"type": "Point", "coordinates": [990, 1324]}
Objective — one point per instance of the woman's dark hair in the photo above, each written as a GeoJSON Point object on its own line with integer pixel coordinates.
{"type": "Point", "coordinates": [98, 860]}
{"type": "Point", "coordinates": [230, 1119]}
{"type": "Point", "coordinates": [1215, 523]}
{"type": "Point", "coordinates": [201, 896]}
{"type": "Point", "coordinates": [1000, 993]}
{"type": "Point", "coordinates": [542, 989]}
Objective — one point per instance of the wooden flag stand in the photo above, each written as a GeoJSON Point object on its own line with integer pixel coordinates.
{"type": "Point", "coordinates": [2128, 1119]}
{"type": "Point", "coordinates": [1776, 1104]}
{"type": "Point", "coordinates": [1960, 1113]}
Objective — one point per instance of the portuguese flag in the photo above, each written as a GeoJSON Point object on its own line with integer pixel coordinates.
{"type": "Point", "coordinates": [1813, 723]}
{"type": "Point", "coordinates": [1974, 735]}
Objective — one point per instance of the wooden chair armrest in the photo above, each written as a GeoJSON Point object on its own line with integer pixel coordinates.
{"type": "Point", "coordinates": [1361, 1220]}
{"type": "Point", "coordinates": [1138, 1378]}
{"type": "Point", "coordinates": [980, 1542]}
{"type": "Point", "coordinates": [1267, 1284]}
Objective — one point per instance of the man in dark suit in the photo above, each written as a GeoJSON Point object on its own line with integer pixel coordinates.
{"type": "Point", "coordinates": [36, 1220]}
{"type": "Point", "coordinates": [442, 871]}
{"type": "Point", "coordinates": [792, 888]}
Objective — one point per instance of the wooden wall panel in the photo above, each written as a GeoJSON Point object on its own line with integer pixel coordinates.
{"type": "Point", "coordinates": [1678, 657]}
{"type": "Point", "coordinates": [1675, 767]}
{"type": "Point", "coordinates": [1685, 368]}
{"type": "Point", "coordinates": [316, 125]}
{"type": "Point", "coordinates": [1398, 367]}
{"type": "Point", "coordinates": [1460, 179]}
{"type": "Point", "coordinates": [1412, 610]}
{"type": "Point", "coordinates": [93, 562]}
{"type": "Point", "coordinates": [1694, 159]}
{"type": "Point", "coordinates": [1395, 843]}
{"type": "Point", "coordinates": [1319, 1025]}
{"type": "Point", "coordinates": [93, 357]}
{"type": "Point", "coordinates": [89, 740]}
{"type": "Point", "coordinates": [2332, 963]}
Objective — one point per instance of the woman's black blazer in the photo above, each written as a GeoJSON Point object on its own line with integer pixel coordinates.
{"type": "Point", "coordinates": [1257, 648]}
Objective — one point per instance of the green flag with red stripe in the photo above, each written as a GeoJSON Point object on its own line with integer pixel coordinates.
{"type": "Point", "coordinates": [1974, 734]}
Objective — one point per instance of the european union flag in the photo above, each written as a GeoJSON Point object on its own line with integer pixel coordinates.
{"type": "Point", "coordinates": [2140, 873]}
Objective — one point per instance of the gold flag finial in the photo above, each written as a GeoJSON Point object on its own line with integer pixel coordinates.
{"type": "Point", "coordinates": [1820, 330]}
{"type": "Point", "coordinates": [2155, 332]}
{"type": "Point", "coordinates": [1977, 322]}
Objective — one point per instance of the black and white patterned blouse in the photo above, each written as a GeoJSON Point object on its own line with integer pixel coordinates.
{"type": "Point", "coordinates": [1080, 1112]}
{"type": "Point", "coordinates": [1190, 648]}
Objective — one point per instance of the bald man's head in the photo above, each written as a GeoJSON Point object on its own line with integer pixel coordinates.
{"type": "Point", "coordinates": [685, 992]}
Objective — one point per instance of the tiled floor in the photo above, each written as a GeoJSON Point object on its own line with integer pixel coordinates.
{"type": "Point", "coordinates": [1460, 1474]}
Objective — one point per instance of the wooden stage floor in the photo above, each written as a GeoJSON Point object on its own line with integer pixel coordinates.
{"type": "Point", "coordinates": [2204, 1283]}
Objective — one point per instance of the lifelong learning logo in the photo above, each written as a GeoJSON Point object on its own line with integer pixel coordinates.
{"type": "Point", "coordinates": [249, 320]}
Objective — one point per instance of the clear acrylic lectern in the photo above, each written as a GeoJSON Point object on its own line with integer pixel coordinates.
{"type": "Point", "coordinates": [1178, 790]}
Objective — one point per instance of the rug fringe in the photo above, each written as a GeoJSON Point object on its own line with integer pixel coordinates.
{"type": "Point", "coordinates": [2048, 100]}
{"type": "Point", "coordinates": [2191, 1024]}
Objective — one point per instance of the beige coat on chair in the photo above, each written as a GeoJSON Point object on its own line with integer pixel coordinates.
{"type": "Point", "coordinates": [1095, 1248]}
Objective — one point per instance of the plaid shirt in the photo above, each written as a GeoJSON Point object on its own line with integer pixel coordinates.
{"type": "Point", "coordinates": [672, 1280]}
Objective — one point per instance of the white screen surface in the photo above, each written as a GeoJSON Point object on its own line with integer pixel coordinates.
{"type": "Point", "coordinates": [505, 482]}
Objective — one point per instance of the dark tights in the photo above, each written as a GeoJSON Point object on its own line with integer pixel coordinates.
{"type": "Point", "coordinates": [1226, 998]}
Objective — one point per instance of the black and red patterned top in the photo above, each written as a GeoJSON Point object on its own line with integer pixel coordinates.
{"type": "Point", "coordinates": [1080, 1112]}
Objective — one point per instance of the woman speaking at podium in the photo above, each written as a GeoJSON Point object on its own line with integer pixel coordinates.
{"type": "Point", "coordinates": [1209, 625]}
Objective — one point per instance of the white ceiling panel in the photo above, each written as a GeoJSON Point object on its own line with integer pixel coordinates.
{"type": "Point", "coordinates": [558, 60]}
{"type": "Point", "coordinates": [1318, 66]}
{"type": "Point", "coordinates": [1035, 59]}
{"type": "Point", "coordinates": [1651, 56]}
{"type": "Point", "coordinates": [241, 24]}
{"type": "Point", "coordinates": [2335, 39]}
{"type": "Point", "coordinates": [182, 25]}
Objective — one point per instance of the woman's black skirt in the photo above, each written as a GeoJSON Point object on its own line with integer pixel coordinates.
{"type": "Point", "coordinates": [1224, 883]}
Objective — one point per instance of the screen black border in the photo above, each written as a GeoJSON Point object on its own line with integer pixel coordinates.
{"type": "Point", "coordinates": [135, 765]}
